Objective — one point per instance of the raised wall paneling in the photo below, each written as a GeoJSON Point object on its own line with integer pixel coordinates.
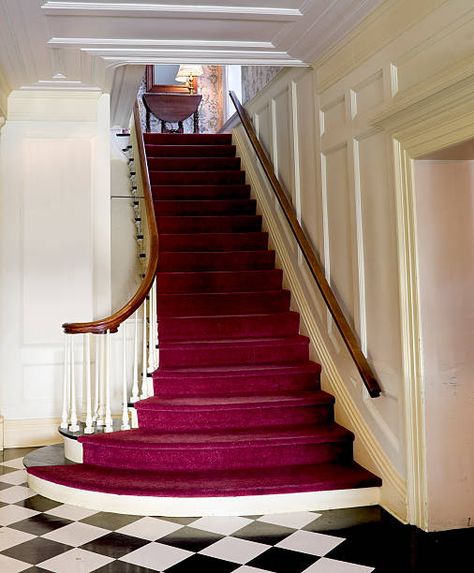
{"type": "Point", "coordinates": [369, 93]}
{"type": "Point", "coordinates": [333, 115]}
{"type": "Point", "coordinates": [264, 128]}
{"type": "Point", "coordinates": [57, 237]}
{"type": "Point", "coordinates": [379, 255]}
{"type": "Point", "coordinates": [283, 145]}
{"type": "Point", "coordinates": [339, 228]}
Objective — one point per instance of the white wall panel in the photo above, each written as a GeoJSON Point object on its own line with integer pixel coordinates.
{"type": "Point", "coordinates": [339, 225]}
{"type": "Point", "coordinates": [283, 141]}
{"type": "Point", "coordinates": [264, 127]}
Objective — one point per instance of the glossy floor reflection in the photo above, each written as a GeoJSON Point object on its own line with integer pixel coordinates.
{"type": "Point", "coordinates": [38, 534]}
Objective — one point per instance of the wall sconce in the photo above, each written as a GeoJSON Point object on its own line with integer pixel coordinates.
{"type": "Point", "coordinates": [187, 74]}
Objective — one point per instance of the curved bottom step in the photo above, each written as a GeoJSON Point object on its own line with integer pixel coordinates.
{"type": "Point", "coordinates": [243, 492]}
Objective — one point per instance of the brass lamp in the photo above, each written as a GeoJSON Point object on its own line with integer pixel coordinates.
{"type": "Point", "coordinates": [187, 74]}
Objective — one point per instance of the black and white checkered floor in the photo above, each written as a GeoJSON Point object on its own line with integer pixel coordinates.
{"type": "Point", "coordinates": [38, 534]}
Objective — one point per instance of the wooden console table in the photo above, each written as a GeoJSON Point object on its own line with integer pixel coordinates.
{"type": "Point", "coordinates": [172, 108]}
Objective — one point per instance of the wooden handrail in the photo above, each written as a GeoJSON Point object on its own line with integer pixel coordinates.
{"type": "Point", "coordinates": [112, 322]}
{"type": "Point", "coordinates": [317, 271]}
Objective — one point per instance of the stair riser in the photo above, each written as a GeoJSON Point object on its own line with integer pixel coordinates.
{"type": "Point", "coordinates": [216, 224]}
{"type": "Point", "coordinates": [228, 327]}
{"type": "Point", "coordinates": [244, 281]}
{"type": "Point", "coordinates": [222, 304]}
{"type": "Point", "coordinates": [245, 455]}
{"type": "Point", "coordinates": [187, 139]}
{"type": "Point", "coordinates": [214, 242]}
{"type": "Point", "coordinates": [234, 355]}
{"type": "Point", "coordinates": [190, 150]}
{"type": "Point", "coordinates": [182, 386]}
{"type": "Point", "coordinates": [179, 421]}
{"type": "Point", "coordinates": [196, 177]}
{"type": "Point", "coordinates": [196, 192]}
{"type": "Point", "coordinates": [232, 261]}
{"type": "Point", "coordinates": [204, 207]}
{"type": "Point", "coordinates": [194, 163]}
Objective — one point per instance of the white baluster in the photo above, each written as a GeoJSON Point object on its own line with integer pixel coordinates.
{"type": "Point", "coordinates": [108, 413]}
{"type": "Point", "coordinates": [135, 397]}
{"type": "Point", "coordinates": [100, 375]}
{"type": "Point", "coordinates": [66, 385]}
{"type": "Point", "coordinates": [144, 388]}
{"type": "Point", "coordinates": [74, 426]}
{"type": "Point", "coordinates": [89, 429]}
{"type": "Point", "coordinates": [125, 421]}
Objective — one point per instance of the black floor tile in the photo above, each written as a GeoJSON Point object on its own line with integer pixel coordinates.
{"type": "Point", "coordinates": [36, 550]}
{"type": "Point", "coordinates": [4, 485]}
{"type": "Point", "coordinates": [114, 545]}
{"type": "Point", "coordinates": [263, 532]}
{"type": "Point", "coordinates": [190, 539]}
{"type": "Point", "coordinates": [180, 520]}
{"type": "Point", "coordinates": [204, 564]}
{"type": "Point", "coordinates": [122, 567]}
{"type": "Point", "coordinates": [14, 453]}
{"type": "Point", "coordinates": [111, 521]}
{"type": "Point", "coordinates": [283, 561]}
{"type": "Point", "coordinates": [337, 519]}
{"type": "Point", "coordinates": [40, 524]}
{"type": "Point", "coordinates": [38, 503]}
{"type": "Point", "coordinates": [4, 470]}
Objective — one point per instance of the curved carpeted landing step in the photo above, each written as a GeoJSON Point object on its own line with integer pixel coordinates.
{"type": "Point", "coordinates": [238, 410]}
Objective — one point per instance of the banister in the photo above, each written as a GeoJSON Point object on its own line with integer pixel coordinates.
{"type": "Point", "coordinates": [112, 322]}
{"type": "Point", "coordinates": [352, 344]}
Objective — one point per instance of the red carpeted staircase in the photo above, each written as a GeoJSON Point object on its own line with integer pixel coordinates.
{"type": "Point", "coordinates": [238, 409]}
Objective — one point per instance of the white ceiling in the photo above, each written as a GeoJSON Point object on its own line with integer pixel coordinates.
{"type": "Point", "coordinates": [49, 44]}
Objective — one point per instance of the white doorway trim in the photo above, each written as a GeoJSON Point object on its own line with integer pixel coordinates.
{"type": "Point", "coordinates": [418, 127]}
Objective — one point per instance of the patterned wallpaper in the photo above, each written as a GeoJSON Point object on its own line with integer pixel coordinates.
{"type": "Point", "coordinates": [211, 111]}
{"type": "Point", "coordinates": [255, 78]}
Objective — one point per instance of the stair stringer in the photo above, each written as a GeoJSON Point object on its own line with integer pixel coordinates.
{"type": "Point", "coordinates": [306, 300]}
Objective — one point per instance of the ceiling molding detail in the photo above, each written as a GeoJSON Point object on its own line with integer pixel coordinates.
{"type": "Point", "coordinates": [81, 45]}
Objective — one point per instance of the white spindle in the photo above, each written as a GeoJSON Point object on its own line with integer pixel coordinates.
{"type": "Point", "coordinates": [144, 388]}
{"type": "Point", "coordinates": [108, 412]}
{"type": "Point", "coordinates": [89, 429]}
{"type": "Point", "coordinates": [66, 385]}
{"type": "Point", "coordinates": [125, 421]}
{"type": "Point", "coordinates": [100, 373]}
{"type": "Point", "coordinates": [74, 426]}
{"type": "Point", "coordinates": [135, 397]}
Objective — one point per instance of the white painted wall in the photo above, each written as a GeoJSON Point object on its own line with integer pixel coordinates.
{"type": "Point", "coordinates": [54, 240]}
{"type": "Point", "coordinates": [445, 226]}
{"type": "Point", "coordinates": [333, 133]}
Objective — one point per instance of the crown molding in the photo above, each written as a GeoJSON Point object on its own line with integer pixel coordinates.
{"type": "Point", "coordinates": [124, 43]}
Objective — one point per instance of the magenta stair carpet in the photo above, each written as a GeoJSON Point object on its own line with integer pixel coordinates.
{"type": "Point", "coordinates": [238, 408]}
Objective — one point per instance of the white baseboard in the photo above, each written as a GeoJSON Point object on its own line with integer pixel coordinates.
{"type": "Point", "coordinates": [369, 452]}
{"type": "Point", "coordinates": [1, 433]}
{"type": "Point", "coordinates": [24, 433]}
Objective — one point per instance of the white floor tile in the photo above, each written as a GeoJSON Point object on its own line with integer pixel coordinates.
{"type": "Point", "coordinates": [235, 550]}
{"type": "Point", "coordinates": [156, 556]}
{"type": "Point", "coordinates": [222, 525]}
{"type": "Point", "coordinates": [9, 565]}
{"type": "Point", "coordinates": [15, 478]}
{"type": "Point", "coordinates": [76, 534]}
{"type": "Point", "coordinates": [71, 512]}
{"type": "Point", "coordinates": [10, 537]}
{"type": "Point", "coordinates": [309, 542]}
{"type": "Point", "coordinates": [16, 463]}
{"type": "Point", "coordinates": [325, 565]}
{"type": "Point", "coordinates": [150, 528]}
{"type": "Point", "coordinates": [13, 513]}
{"type": "Point", "coordinates": [248, 569]}
{"type": "Point", "coordinates": [75, 561]}
{"type": "Point", "coordinates": [16, 493]}
{"type": "Point", "coordinates": [294, 520]}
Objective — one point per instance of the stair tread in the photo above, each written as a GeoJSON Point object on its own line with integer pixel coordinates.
{"type": "Point", "coordinates": [232, 402]}
{"type": "Point", "coordinates": [142, 438]}
{"type": "Point", "coordinates": [244, 370]}
{"type": "Point", "coordinates": [268, 341]}
{"type": "Point", "coordinates": [329, 476]}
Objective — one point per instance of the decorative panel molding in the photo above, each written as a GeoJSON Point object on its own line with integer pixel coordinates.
{"type": "Point", "coordinates": [333, 115]}
{"type": "Point", "coordinates": [369, 93]}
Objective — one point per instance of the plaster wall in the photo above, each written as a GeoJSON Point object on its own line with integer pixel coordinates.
{"type": "Point", "coordinates": [445, 228]}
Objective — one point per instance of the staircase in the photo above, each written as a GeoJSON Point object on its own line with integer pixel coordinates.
{"type": "Point", "coordinates": [238, 412]}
